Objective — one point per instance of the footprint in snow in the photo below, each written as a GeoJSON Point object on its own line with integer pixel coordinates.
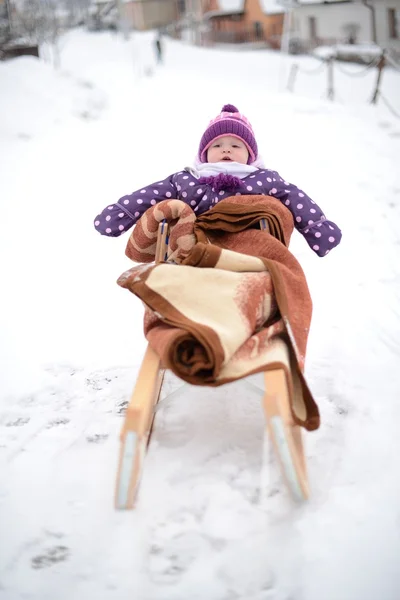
{"type": "Point", "coordinates": [169, 560]}
{"type": "Point", "coordinates": [98, 381]}
{"type": "Point", "coordinates": [97, 438]}
{"type": "Point", "coordinates": [57, 422]}
{"type": "Point", "coordinates": [85, 84]}
{"type": "Point", "coordinates": [62, 369]}
{"type": "Point", "coordinates": [18, 422]}
{"type": "Point", "coordinates": [122, 406]}
{"type": "Point", "coordinates": [50, 557]}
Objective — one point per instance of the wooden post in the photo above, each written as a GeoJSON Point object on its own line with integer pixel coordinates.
{"type": "Point", "coordinates": [331, 91]}
{"type": "Point", "coordinates": [292, 76]}
{"type": "Point", "coordinates": [381, 66]}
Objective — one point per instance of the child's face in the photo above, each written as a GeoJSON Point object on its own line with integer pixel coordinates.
{"type": "Point", "coordinates": [227, 148]}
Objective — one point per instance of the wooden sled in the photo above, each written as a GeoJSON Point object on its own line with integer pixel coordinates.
{"type": "Point", "coordinates": [285, 435]}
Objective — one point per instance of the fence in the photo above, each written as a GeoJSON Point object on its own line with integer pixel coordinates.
{"type": "Point", "coordinates": [330, 63]}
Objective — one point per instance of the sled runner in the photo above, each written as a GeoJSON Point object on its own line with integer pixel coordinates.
{"type": "Point", "coordinates": [284, 433]}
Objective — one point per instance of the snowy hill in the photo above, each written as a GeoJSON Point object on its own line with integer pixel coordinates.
{"type": "Point", "coordinates": [207, 527]}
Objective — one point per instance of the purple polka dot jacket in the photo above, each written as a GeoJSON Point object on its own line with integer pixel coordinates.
{"type": "Point", "coordinates": [202, 194]}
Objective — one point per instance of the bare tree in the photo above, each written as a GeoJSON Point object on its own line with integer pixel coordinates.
{"type": "Point", "coordinates": [40, 22]}
{"type": "Point", "coordinates": [5, 25]}
{"type": "Point", "coordinates": [77, 11]}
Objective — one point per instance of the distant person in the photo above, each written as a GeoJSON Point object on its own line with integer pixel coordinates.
{"type": "Point", "coordinates": [227, 164]}
{"type": "Point", "coordinates": [159, 49]}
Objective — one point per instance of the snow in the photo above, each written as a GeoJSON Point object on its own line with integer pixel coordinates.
{"type": "Point", "coordinates": [211, 523]}
{"type": "Point", "coordinates": [231, 5]}
{"type": "Point", "coordinates": [319, 1]}
{"type": "Point", "coordinates": [272, 7]}
{"type": "Point", "coordinates": [367, 51]}
{"type": "Point", "coordinates": [237, 6]}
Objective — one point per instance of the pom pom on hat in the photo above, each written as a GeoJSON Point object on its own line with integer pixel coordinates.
{"type": "Point", "coordinates": [229, 122]}
{"type": "Point", "coordinates": [229, 108]}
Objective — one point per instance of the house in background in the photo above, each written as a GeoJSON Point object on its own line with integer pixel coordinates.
{"type": "Point", "coordinates": [240, 21]}
{"type": "Point", "coordinates": [156, 14]}
{"type": "Point", "coordinates": [150, 14]}
{"type": "Point", "coordinates": [315, 23]}
{"type": "Point", "coordinates": [308, 23]}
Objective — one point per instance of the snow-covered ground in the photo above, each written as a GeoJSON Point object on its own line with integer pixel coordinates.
{"type": "Point", "coordinates": [74, 140]}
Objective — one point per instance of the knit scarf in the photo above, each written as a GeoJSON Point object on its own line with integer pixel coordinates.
{"type": "Point", "coordinates": [222, 175]}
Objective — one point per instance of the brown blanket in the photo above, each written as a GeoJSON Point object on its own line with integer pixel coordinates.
{"type": "Point", "coordinates": [245, 310]}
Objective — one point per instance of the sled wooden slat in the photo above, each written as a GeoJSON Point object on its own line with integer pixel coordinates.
{"type": "Point", "coordinates": [162, 242]}
{"type": "Point", "coordinates": [139, 415]}
{"type": "Point", "coordinates": [285, 435]}
{"type": "Point", "coordinates": [136, 429]}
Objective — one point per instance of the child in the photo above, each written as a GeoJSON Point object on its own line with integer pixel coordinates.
{"type": "Point", "coordinates": [227, 164]}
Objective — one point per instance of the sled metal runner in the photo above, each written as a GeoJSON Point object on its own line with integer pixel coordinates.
{"type": "Point", "coordinates": [284, 434]}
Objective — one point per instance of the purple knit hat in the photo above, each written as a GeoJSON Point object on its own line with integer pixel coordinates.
{"type": "Point", "coordinates": [229, 122]}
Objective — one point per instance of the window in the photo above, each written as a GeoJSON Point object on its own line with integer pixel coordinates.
{"type": "Point", "coordinates": [312, 28]}
{"type": "Point", "coordinates": [258, 30]}
{"type": "Point", "coordinates": [394, 23]}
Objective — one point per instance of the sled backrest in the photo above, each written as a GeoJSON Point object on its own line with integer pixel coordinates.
{"type": "Point", "coordinates": [162, 242]}
{"type": "Point", "coordinates": [163, 237]}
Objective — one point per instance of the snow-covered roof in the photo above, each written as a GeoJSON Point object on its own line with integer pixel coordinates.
{"type": "Point", "coordinates": [272, 7]}
{"type": "Point", "coordinates": [221, 13]}
{"type": "Point", "coordinates": [97, 2]}
{"type": "Point", "coordinates": [237, 6]}
{"type": "Point", "coordinates": [304, 2]}
{"type": "Point", "coordinates": [368, 51]}
{"type": "Point", "coordinates": [280, 5]}
{"type": "Point", "coordinates": [231, 5]}
{"type": "Point", "coordinates": [269, 7]}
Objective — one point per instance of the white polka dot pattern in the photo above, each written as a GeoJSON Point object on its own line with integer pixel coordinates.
{"type": "Point", "coordinates": [121, 216]}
